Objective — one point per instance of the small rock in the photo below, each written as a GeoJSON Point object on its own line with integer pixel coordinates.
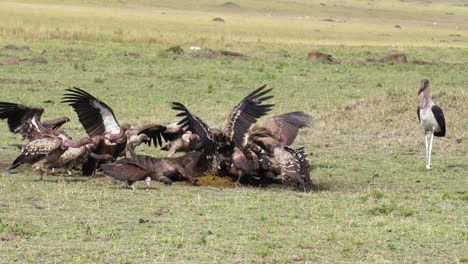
{"type": "Point", "coordinates": [142, 221]}
{"type": "Point", "coordinates": [161, 211]}
{"type": "Point", "coordinates": [38, 206]}
{"type": "Point", "coordinates": [217, 19]}
{"type": "Point", "coordinates": [397, 26]}
{"type": "Point", "coordinates": [230, 5]}
{"type": "Point", "coordinates": [125, 53]}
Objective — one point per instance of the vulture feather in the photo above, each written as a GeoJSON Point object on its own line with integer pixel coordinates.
{"type": "Point", "coordinates": [295, 170]}
{"type": "Point", "coordinates": [242, 116]}
{"type": "Point", "coordinates": [286, 127]}
{"type": "Point", "coordinates": [26, 120]}
{"type": "Point", "coordinates": [96, 117]}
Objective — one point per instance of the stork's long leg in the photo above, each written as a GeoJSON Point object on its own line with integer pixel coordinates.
{"type": "Point", "coordinates": [427, 150]}
{"type": "Point", "coordinates": [428, 166]}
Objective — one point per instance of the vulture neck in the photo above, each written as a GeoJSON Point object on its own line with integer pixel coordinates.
{"type": "Point", "coordinates": [121, 134]}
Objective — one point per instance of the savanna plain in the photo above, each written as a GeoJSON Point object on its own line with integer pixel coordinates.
{"type": "Point", "coordinates": [373, 201]}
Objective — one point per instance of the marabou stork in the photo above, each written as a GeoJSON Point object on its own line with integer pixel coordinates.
{"type": "Point", "coordinates": [431, 117]}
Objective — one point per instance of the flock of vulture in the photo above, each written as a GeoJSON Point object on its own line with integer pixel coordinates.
{"type": "Point", "coordinates": [257, 155]}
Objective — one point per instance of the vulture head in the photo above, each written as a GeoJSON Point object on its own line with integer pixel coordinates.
{"type": "Point", "coordinates": [113, 138]}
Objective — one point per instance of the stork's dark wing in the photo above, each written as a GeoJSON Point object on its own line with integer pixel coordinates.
{"type": "Point", "coordinates": [23, 120]}
{"type": "Point", "coordinates": [439, 116]}
{"type": "Point", "coordinates": [196, 125]}
{"type": "Point", "coordinates": [55, 123]}
{"type": "Point", "coordinates": [285, 127]}
{"type": "Point", "coordinates": [419, 114]}
{"type": "Point", "coordinates": [246, 113]}
{"type": "Point", "coordinates": [154, 132]}
{"type": "Point", "coordinates": [96, 117]}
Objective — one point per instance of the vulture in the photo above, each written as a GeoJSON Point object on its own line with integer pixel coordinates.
{"type": "Point", "coordinates": [99, 120]}
{"type": "Point", "coordinates": [178, 139]}
{"type": "Point", "coordinates": [294, 167]}
{"type": "Point", "coordinates": [279, 130]}
{"type": "Point", "coordinates": [275, 137]}
{"type": "Point", "coordinates": [219, 144]}
{"type": "Point", "coordinates": [42, 152]}
{"type": "Point", "coordinates": [79, 153]}
{"type": "Point", "coordinates": [166, 170]}
{"type": "Point", "coordinates": [26, 121]}
{"type": "Point", "coordinates": [46, 141]}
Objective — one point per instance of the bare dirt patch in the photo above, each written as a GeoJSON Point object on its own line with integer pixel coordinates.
{"type": "Point", "coordinates": [9, 60]}
{"type": "Point", "coordinates": [395, 58]}
{"type": "Point", "coordinates": [14, 47]}
{"type": "Point", "coordinates": [316, 55]}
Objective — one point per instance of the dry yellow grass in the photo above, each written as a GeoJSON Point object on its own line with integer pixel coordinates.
{"type": "Point", "coordinates": [436, 25]}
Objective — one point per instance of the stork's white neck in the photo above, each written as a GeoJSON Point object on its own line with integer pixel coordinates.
{"type": "Point", "coordinates": [426, 100]}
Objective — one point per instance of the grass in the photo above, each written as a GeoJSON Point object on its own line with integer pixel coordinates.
{"type": "Point", "coordinates": [375, 203]}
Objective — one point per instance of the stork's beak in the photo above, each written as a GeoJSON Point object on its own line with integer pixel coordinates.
{"type": "Point", "coordinates": [424, 85]}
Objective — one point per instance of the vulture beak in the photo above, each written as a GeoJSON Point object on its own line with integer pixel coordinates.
{"type": "Point", "coordinates": [424, 85]}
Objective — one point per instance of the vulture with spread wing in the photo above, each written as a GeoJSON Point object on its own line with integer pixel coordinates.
{"type": "Point", "coordinates": [26, 121]}
{"type": "Point", "coordinates": [220, 144]}
{"type": "Point", "coordinates": [276, 134]}
{"type": "Point", "coordinates": [46, 142]}
{"type": "Point", "coordinates": [99, 120]}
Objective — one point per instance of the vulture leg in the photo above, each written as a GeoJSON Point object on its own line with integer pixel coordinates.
{"type": "Point", "coordinates": [10, 171]}
{"type": "Point", "coordinates": [148, 181]}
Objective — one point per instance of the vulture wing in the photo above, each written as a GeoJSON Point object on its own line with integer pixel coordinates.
{"type": "Point", "coordinates": [439, 116]}
{"type": "Point", "coordinates": [246, 113]}
{"type": "Point", "coordinates": [55, 123]}
{"type": "Point", "coordinates": [294, 170]}
{"type": "Point", "coordinates": [154, 132]}
{"type": "Point", "coordinates": [245, 160]}
{"type": "Point", "coordinates": [96, 117]}
{"type": "Point", "coordinates": [23, 120]}
{"type": "Point", "coordinates": [285, 127]}
{"type": "Point", "coordinates": [196, 125]}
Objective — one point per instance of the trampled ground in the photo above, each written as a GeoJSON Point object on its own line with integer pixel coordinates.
{"type": "Point", "coordinates": [375, 202]}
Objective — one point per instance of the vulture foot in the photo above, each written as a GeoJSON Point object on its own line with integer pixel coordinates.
{"type": "Point", "coordinates": [10, 171]}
